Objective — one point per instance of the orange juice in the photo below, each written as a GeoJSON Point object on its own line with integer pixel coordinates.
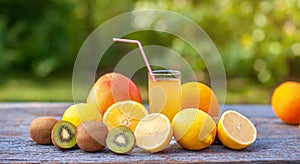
{"type": "Point", "coordinates": [165, 96]}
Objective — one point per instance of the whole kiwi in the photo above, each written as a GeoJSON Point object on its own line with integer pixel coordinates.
{"type": "Point", "coordinates": [91, 136]}
{"type": "Point", "coordinates": [40, 129]}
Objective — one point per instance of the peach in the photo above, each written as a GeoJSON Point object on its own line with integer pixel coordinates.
{"type": "Point", "coordinates": [110, 88]}
{"type": "Point", "coordinates": [198, 95]}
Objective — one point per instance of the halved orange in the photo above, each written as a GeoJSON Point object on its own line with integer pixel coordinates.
{"type": "Point", "coordinates": [127, 113]}
{"type": "Point", "coordinates": [236, 131]}
{"type": "Point", "coordinates": [154, 132]}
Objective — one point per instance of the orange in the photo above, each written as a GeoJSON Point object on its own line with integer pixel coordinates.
{"type": "Point", "coordinates": [127, 113]}
{"type": "Point", "coordinates": [154, 132]}
{"type": "Point", "coordinates": [194, 129]}
{"type": "Point", "coordinates": [286, 102]}
{"type": "Point", "coordinates": [111, 88]}
{"type": "Point", "coordinates": [200, 96]}
{"type": "Point", "coordinates": [236, 131]}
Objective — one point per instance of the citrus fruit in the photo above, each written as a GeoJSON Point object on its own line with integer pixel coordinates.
{"type": "Point", "coordinates": [79, 113]}
{"type": "Point", "coordinates": [200, 96]}
{"type": "Point", "coordinates": [154, 132]}
{"type": "Point", "coordinates": [235, 131]}
{"type": "Point", "coordinates": [127, 113]}
{"type": "Point", "coordinates": [285, 102]}
{"type": "Point", "coordinates": [110, 88]}
{"type": "Point", "coordinates": [194, 129]}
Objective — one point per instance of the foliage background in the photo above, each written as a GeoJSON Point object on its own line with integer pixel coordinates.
{"type": "Point", "coordinates": [259, 42]}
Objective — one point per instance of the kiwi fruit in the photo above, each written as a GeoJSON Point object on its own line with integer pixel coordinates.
{"type": "Point", "coordinates": [40, 129]}
{"type": "Point", "coordinates": [91, 136]}
{"type": "Point", "coordinates": [64, 135]}
{"type": "Point", "coordinates": [120, 140]}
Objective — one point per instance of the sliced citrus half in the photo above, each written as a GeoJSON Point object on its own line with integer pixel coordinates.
{"type": "Point", "coordinates": [194, 129]}
{"type": "Point", "coordinates": [236, 131]}
{"type": "Point", "coordinates": [154, 132]}
{"type": "Point", "coordinates": [127, 113]}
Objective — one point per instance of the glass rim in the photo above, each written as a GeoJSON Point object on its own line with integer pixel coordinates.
{"type": "Point", "coordinates": [165, 72]}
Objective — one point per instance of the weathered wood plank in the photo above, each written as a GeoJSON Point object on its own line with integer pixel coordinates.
{"type": "Point", "coordinates": [276, 142]}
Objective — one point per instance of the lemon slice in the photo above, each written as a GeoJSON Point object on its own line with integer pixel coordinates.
{"type": "Point", "coordinates": [127, 113]}
{"type": "Point", "coordinates": [235, 130]}
{"type": "Point", "coordinates": [194, 129]}
{"type": "Point", "coordinates": [154, 132]}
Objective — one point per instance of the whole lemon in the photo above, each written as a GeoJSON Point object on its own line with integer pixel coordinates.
{"type": "Point", "coordinates": [79, 113]}
{"type": "Point", "coordinates": [194, 129]}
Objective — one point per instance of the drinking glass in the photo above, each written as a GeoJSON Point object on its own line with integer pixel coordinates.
{"type": "Point", "coordinates": [164, 92]}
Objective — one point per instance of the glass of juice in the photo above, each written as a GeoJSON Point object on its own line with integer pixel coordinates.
{"type": "Point", "coordinates": [164, 92]}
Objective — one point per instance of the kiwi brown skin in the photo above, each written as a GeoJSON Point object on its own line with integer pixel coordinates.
{"type": "Point", "coordinates": [91, 136]}
{"type": "Point", "coordinates": [40, 130]}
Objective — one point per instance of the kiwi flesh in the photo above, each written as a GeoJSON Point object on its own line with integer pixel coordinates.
{"type": "Point", "coordinates": [120, 140]}
{"type": "Point", "coordinates": [64, 135]}
{"type": "Point", "coordinates": [40, 129]}
{"type": "Point", "coordinates": [91, 136]}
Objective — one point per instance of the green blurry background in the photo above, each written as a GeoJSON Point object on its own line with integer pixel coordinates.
{"type": "Point", "coordinates": [259, 42]}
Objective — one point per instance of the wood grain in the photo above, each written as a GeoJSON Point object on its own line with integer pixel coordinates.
{"type": "Point", "coordinates": [276, 142]}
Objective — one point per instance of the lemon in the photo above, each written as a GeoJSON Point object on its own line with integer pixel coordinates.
{"type": "Point", "coordinates": [235, 130]}
{"type": "Point", "coordinates": [194, 129]}
{"type": "Point", "coordinates": [127, 113]}
{"type": "Point", "coordinates": [79, 113]}
{"type": "Point", "coordinates": [154, 132]}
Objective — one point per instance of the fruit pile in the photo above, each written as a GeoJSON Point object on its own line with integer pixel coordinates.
{"type": "Point", "coordinates": [114, 117]}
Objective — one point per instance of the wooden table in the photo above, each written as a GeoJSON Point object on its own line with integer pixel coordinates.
{"type": "Point", "coordinates": [276, 141]}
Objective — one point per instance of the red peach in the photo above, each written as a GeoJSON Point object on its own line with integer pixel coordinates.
{"type": "Point", "coordinates": [113, 87]}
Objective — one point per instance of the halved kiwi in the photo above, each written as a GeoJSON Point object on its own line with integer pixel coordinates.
{"type": "Point", "coordinates": [120, 140]}
{"type": "Point", "coordinates": [64, 135]}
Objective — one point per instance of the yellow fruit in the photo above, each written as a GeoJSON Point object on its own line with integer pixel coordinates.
{"type": "Point", "coordinates": [200, 96]}
{"type": "Point", "coordinates": [285, 102]}
{"type": "Point", "coordinates": [154, 132]}
{"type": "Point", "coordinates": [235, 130]}
{"type": "Point", "coordinates": [79, 113]}
{"type": "Point", "coordinates": [194, 129]}
{"type": "Point", "coordinates": [127, 113]}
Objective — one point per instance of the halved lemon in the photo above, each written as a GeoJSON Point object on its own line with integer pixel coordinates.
{"type": "Point", "coordinates": [194, 129]}
{"type": "Point", "coordinates": [236, 131]}
{"type": "Point", "coordinates": [127, 113]}
{"type": "Point", "coordinates": [154, 132]}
